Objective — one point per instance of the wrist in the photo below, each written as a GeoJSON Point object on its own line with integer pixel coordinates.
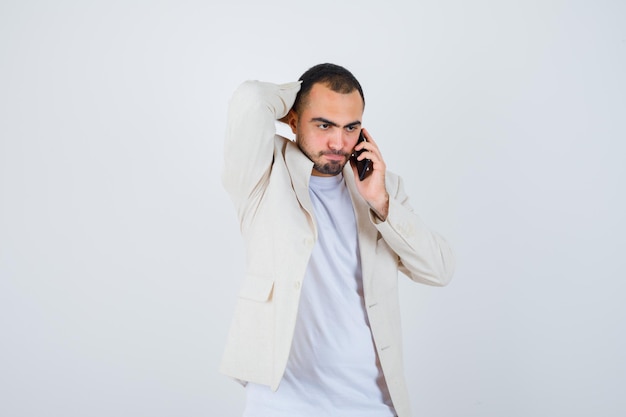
{"type": "Point", "coordinates": [381, 208]}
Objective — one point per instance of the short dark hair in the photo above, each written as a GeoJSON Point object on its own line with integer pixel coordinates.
{"type": "Point", "coordinates": [336, 77]}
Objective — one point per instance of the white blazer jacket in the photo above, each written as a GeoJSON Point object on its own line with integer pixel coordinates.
{"type": "Point", "coordinates": [267, 177]}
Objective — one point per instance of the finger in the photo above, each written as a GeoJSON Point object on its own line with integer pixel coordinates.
{"type": "Point", "coordinates": [370, 144]}
{"type": "Point", "coordinates": [369, 137]}
{"type": "Point", "coordinates": [370, 152]}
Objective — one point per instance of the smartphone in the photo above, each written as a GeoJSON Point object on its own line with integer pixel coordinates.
{"type": "Point", "coordinates": [362, 167]}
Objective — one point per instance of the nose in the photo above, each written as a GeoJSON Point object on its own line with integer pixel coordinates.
{"type": "Point", "coordinates": [336, 141]}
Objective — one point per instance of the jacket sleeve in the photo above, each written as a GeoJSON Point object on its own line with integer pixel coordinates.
{"type": "Point", "coordinates": [250, 131]}
{"type": "Point", "coordinates": [424, 256]}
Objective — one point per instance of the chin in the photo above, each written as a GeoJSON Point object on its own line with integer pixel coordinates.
{"type": "Point", "coordinates": [330, 168]}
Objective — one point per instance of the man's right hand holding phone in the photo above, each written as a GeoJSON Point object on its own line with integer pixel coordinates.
{"type": "Point", "coordinates": [371, 185]}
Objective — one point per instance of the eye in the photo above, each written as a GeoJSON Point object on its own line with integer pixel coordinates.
{"type": "Point", "coordinates": [351, 128]}
{"type": "Point", "coordinates": [323, 126]}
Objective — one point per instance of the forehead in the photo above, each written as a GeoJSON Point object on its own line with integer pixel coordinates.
{"type": "Point", "coordinates": [322, 99]}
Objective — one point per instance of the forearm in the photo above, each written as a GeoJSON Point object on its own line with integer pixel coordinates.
{"type": "Point", "coordinates": [380, 208]}
{"type": "Point", "coordinates": [424, 255]}
{"type": "Point", "coordinates": [248, 148]}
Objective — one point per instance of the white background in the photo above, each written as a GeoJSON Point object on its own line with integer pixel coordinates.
{"type": "Point", "coordinates": [120, 256]}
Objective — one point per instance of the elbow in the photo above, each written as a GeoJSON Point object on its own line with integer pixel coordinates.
{"type": "Point", "coordinates": [439, 270]}
{"type": "Point", "coordinates": [447, 266]}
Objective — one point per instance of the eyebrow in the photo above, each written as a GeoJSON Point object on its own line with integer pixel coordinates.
{"type": "Point", "coordinates": [322, 120]}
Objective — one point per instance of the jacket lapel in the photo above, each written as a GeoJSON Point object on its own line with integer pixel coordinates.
{"type": "Point", "coordinates": [366, 232]}
{"type": "Point", "coordinates": [300, 167]}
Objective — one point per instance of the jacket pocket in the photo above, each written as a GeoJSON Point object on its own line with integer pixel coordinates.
{"type": "Point", "coordinates": [256, 288]}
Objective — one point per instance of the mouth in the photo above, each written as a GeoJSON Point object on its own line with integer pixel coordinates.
{"type": "Point", "coordinates": [335, 157]}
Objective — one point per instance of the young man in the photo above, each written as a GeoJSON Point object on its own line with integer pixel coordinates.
{"type": "Point", "coordinates": [316, 330]}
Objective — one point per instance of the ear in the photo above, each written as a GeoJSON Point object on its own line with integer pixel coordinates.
{"type": "Point", "coordinates": [292, 120]}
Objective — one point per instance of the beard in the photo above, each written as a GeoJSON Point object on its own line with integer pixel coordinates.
{"type": "Point", "coordinates": [332, 167]}
{"type": "Point", "coordinates": [326, 167]}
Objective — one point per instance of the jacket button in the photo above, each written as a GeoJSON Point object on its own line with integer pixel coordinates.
{"type": "Point", "coordinates": [296, 285]}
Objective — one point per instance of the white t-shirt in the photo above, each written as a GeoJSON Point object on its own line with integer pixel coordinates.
{"type": "Point", "coordinates": [333, 368]}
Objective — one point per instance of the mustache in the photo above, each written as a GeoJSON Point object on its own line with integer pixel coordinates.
{"type": "Point", "coordinates": [322, 153]}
